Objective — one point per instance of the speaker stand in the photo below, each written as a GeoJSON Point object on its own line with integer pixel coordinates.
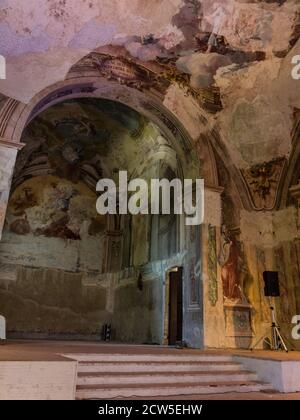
{"type": "Point", "coordinates": [277, 341]}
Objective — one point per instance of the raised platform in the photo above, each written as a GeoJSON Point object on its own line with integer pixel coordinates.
{"type": "Point", "coordinates": [53, 370]}
{"type": "Point", "coordinates": [280, 369]}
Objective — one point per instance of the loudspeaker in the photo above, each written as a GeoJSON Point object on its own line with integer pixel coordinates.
{"type": "Point", "coordinates": [271, 283]}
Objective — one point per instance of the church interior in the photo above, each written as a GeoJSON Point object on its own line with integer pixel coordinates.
{"type": "Point", "coordinates": [181, 89]}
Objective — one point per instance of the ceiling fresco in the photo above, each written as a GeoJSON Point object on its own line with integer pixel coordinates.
{"type": "Point", "coordinates": [54, 208]}
{"type": "Point", "coordinates": [78, 137]}
{"type": "Point", "coordinates": [91, 138]}
{"type": "Point", "coordinates": [243, 85]}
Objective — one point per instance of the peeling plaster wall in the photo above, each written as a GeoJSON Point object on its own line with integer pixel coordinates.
{"type": "Point", "coordinates": [259, 102]}
{"type": "Point", "coordinates": [52, 239]}
{"type": "Point", "coordinates": [263, 241]}
{"type": "Point", "coordinates": [42, 39]}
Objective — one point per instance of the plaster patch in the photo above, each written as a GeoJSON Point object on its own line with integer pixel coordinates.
{"type": "Point", "coordinates": [13, 44]}
{"type": "Point", "coordinates": [93, 35]}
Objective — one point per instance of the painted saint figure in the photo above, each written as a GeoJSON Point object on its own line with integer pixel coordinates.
{"type": "Point", "coordinates": [229, 261]}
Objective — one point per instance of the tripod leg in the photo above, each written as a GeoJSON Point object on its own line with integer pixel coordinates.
{"type": "Point", "coordinates": [275, 345]}
{"type": "Point", "coordinates": [291, 345]}
{"type": "Point", "coordinates": [281, 339]}
{"type": "Point", "coordinates": [288, 342]}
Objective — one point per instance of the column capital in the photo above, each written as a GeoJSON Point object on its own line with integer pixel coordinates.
{"type": "Point", "coordinates": [11, 144]}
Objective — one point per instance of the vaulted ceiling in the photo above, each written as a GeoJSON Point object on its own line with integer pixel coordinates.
{"type": "Point", "coordinates": [84, 139]}
{"type": "Point", "coordinates": [251, 67]}
{"type": "Point", "coordinates": [92, 138]}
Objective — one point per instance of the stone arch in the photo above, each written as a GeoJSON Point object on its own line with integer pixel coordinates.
{"type": "Point", "coordinates": [176, 134]}
{"type": "Point", "coordinates": [14, 116]}
{"type": "Point", "coordinates": [109, 73]}
{"type": "Point", "coordinates": [84, 81]}
{"type": "Point", "coordinates": [136, 84]}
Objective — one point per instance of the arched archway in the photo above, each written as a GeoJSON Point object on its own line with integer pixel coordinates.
{"type": "Point", "coordinates": [58, 239]}
{"type": "Point", "coordinates": [198, 160]}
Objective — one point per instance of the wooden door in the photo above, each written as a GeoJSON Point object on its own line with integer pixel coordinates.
{"type": "Point", "coordinates": [175, 307]}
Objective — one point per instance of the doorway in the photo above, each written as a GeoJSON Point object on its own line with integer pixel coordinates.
{"type": "Point", "coordinates": [175, 306]}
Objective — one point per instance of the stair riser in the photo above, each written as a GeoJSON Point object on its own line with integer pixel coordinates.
{"type": "Point", "coordinates": [165, 391]}
{"type": "Point", "coordinates": [155, 367]}
{"type": "Point", "coordinates": [164, 379]}
{"type": "Point", "coordinates": [147, 358]}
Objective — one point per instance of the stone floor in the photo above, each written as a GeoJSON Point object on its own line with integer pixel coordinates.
{"type": "Point", "coordinates": [42, 350]}
{"type": "Point", "coordinates": [50, 350]}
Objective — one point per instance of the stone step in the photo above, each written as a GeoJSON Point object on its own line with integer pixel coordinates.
{"type": "Point", "coordinates": [163, 390]}
{"type": "Point", "coordinates": [165, 366]}
{"type": "Point", "coordinates": [149, 358]}
{"type": "Point", "coordinates": [164, 378]}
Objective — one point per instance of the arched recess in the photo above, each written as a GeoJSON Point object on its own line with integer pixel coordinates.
{"type": "Point", "coordinates": [15, 116]}
{"type": "Point", "coordinates": [81, 83]}
{"type": "Point", "coordinates": [183, 150]}
{"type": "Point", "coordinates": [77, 88]}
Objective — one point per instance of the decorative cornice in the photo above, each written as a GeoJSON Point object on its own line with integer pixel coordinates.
{"type": "Point", "coordinates": [153, 76]}
{"type": "Point", "coordinates": [11, 144]}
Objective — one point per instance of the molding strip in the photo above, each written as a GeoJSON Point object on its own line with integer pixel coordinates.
{"type": "Point", "coordinates": [11, 144]}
